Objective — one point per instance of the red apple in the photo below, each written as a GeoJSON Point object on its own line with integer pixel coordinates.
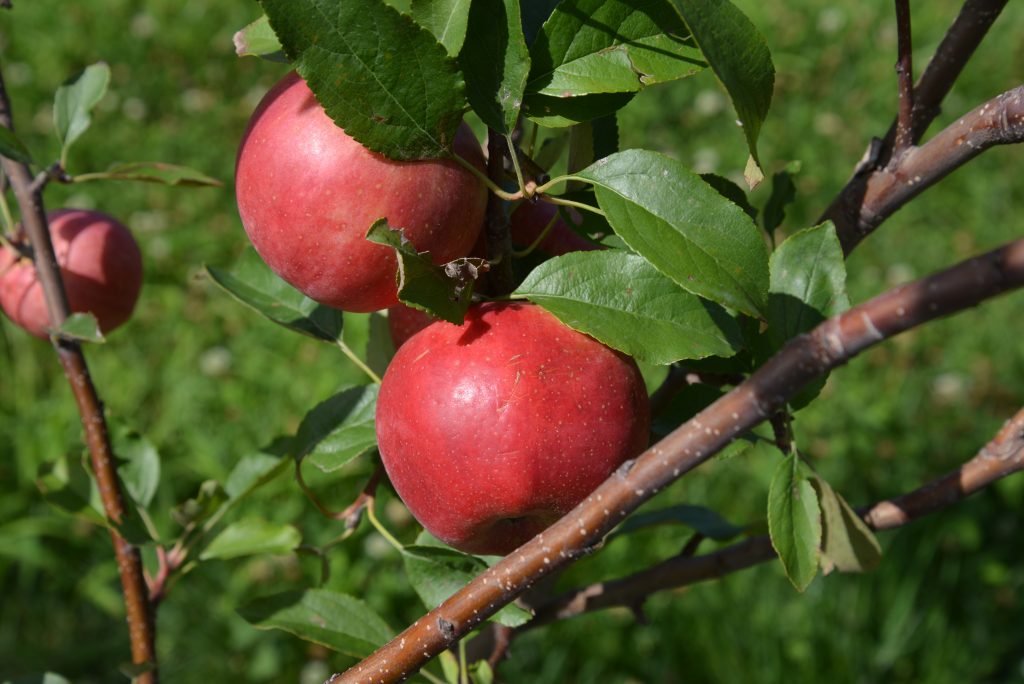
{"type": "Point", "coordinates": [99, 262]}
{"type": "Point", "coordinates": [307, 193]}
{"type": "Point", "coordinates": [530, 219]}
{"type": "Point", "coordinates": [405, 321]}
{"type": "Point", "coordinates": [492, 430]}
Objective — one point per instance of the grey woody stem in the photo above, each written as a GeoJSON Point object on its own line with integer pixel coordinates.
{"type": "Point", "coordinates": [1002, 456]}
{"type": "Point", "coordinates": [804, 358]}
{"type": "Point", "coordinates": [138, 608]}
{"type": "Point", "coordinates": [872, 197]}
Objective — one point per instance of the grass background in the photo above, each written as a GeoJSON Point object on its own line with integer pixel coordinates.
{"type": "Point", "coordinates": [208, 381]}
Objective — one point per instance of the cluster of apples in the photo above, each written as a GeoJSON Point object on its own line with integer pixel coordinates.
{"type": "Point", "coordinates": [489, 431]}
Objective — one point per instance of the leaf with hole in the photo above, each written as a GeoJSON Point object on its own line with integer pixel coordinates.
{"type": "Point", "coordinates": [444, 291]}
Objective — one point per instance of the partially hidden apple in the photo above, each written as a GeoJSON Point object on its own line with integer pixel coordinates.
{"type": "Point", "coordinates": [530, 219]}
{"type": "Point", "coordinates": [307, 194]}
{"type": "Point", "coordinates": [492, 430]}
{"type": "Point", "coordinates": [405, 321]}
{"type": "Point", "coordinates": [100, 264]}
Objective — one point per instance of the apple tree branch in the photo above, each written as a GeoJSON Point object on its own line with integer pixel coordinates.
{"type": "Point", "coordinates": [139, 610]}
{"type": "Point", "coordinates": [871, 194]}
{"type": "Point", "coordinates": [1002, 456]}
{"type": "Point", "coordinates": [804, 358]}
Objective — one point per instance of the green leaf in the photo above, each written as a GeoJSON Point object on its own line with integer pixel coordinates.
{"type": "Point", "coordinates": [438, 572]}
{"type": "Point", "coordinates": [623, 301]}
{"type": "Point", "coordinates": [258, 40]}
{"type": "Point", "coordinates": [207, 501]}
{"type": "Point", "coordinates": [250, 537]}
{"type": "Point", "coordinates": [739, 56]}
{"type": "Point", "coordinates": [449, 667]}
{"type": "Point", "coordinates": [74, 101]}
{"type": "Point", "coordinates": [45, 678]}
{"type": "Point", "coordinates": [700, 519]}
{"type": "Point", "coordinates": [794, 521]}
{"type": "Point", "coordinates": [151, 172]}
{"type": "Point", "coordinates": [378, 75]}
{"type": "Point", "coordinates": [68, 487]}
{"type": "Point", "coordinates": [807, 282]}
{"type": "Point", "coordinates": [679, 223]}
{"type": "Point", "coordinates": [848, 544]}
{"type": "Point", "coordinates": [339, 429]}
{"type": "Point", "coordinates": [140, 467]}
{"type": "Point", "coordinates": [253, 471]}
{"type": "Point", "coordinates": [482, 672]}
{"type": "Point", "coordinates": [559, 112]}
{"type": "Point", "coordinates": [446, 19]}
{"type": "Point", "coordinates": [610, 46]}
{"type": "Point", "coordinates": [442, 291]}
{"type": "Point", "coordinates": [332, 619]}
{"type": "Point", "coordinates": [12, 148]}
{"type": "Point", "coordinates": [256, 286]}
{"type": "Point", "coordinates": [82, 327]}
{"type": "Point", "coordinates": [496, 62]}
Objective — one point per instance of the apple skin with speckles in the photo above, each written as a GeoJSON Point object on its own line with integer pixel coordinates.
{"type": "Point", "coordinates": [492, 430]}
{"type": "Point", "coordinates": [100, 265]}
{"type": "Point", "coordinates": [307, 194]}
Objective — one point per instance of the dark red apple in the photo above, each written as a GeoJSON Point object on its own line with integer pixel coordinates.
{"type": "Point", "coordinates": [492, 430]}
{"type": "Point", "coordinates": [307, 193]}
{"type": "Point", "coordinates": [530, 219]}
{"type": "Point", "coordinates": [405, 321]}
{"type": "Point", "coordinates": [100, 264]}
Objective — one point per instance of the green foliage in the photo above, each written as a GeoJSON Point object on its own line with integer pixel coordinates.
{"type": "Point", "coordinates": [444, 291]}
{"type": "Point", "coordinates": [705, 243]}
{"type": "Point", "coordinates": [210, 387]}
{"type": "Point", "coordinates": [794, 521]}
{"type": "Point", "coordinates": [623, 301]}
{"type": "Point", "coordinates": [400, 94]}
{"type": "Point", "coordinates": [74, 102]}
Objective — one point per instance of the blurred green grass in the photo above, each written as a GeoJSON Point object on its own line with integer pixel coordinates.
{"type": "Point", "coordinates": [209, 382]}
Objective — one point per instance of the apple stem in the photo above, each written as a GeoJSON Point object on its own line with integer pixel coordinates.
{"type": "Point", "coordinates": [491, 185]}
{"type": "Point", "coordinates": [554, 199]}
{"type": "Point", "coordinates": [372, 515]}
{"type": "Point", "coordinates": [354, 358]}
{"type": "Point", "coordinates": [515, 164]}
{"type": "Point", "coordinates": [5, 210]}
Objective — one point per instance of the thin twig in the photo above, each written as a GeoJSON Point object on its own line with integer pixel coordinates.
{"type": "Point", "coordinates": [905, 80]}
{"type": "Point", "coordinates": [805, 358]}
{"type": "Point", "coordinates": [874, 196]}
{"type": "Point", "coordinates": [1002, 456]}
{"type": "Point", "coordinates": [139, 609]}
{"type": "Point", "coordinates": [851, 206]}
